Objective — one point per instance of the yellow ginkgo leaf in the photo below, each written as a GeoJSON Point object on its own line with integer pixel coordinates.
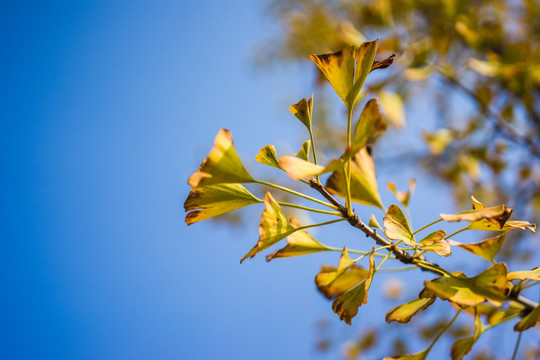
{"type": "Point", "coordinates": [273, 228]}
{"type": "Point", "coordinates": [529, 321]}
{"type": "Point", "coordinates": [298, 243]}
{"type": "Point", "coordinates": [383, 64]}
{"type": "Point", "coordinates": [463, 346]}
{"type": "Point", "coordinates": [370, 125]}
{"type": "Point", "coordinates": [213, 200]}
{"type": "Point", "coordinates": [498, 223]}
{"type": "Point", "coordinates": [364, 189]}
{"type": "Point", "coordinates": [476, 214]}
{"type": "Point", "coordinates": [303, 110]}
{"type": "Point", "coordinates": [298, 168]}
{"type": "Point", "coordinates": [402, 196]}
{"type": "Point", "coordinates": [374, 223]}
{"type": "Point", "coordinates": [489, 285]}
{"type": "Point", "coordinates": [533, 274]}
{"type": "Point", "coordinates": [435, 242]}
{"type": "Point", "coordinates": [346, 305]}
{"type": "Point", "coordinates": [487, 249]}
{"type": "Point", "coordinates": [403, 313]}
{"type": "Point", "coordinates": [347, 69]}
{"type": "Point", "coordinates": [333, 281]}
{"type": "Point", "coordinates": [397, 227]}
{"type": "Point", "coordinates": [392, 108]}
{"type": "Point", "coordinates": [267, 156]}
{"type": "Point", "coordinates": [418, 356]}
{"type": "Point", "coordinates": [223, 165]}
{"type": "Point", "coordinates": [304, 151]}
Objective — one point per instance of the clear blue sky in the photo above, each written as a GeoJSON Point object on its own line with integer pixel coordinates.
{"type": "Point", "coordinates": [107, 108]}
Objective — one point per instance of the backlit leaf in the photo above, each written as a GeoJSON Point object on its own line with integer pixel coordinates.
{"type": "Point", "coordinates": [303, 110]}
{"type": "Point", "coordinates": [304, 151]}
{"type": "Point", "coordinates": [397, 227]}
{"type": "Point", "coordinates": [331, 282]}
{"type": "Point", "coordinates": [267, 156]}
{"type": "Point", "coordinates": [463, 346]}
{"type": "Point", "coordinates": [374, 223]}
{"type": "Point", "coordinates": [298, 168]}
{"type": "Point", "coordinates": [401, 196]}
{"type": "Point", "coordinates": [475, 215]}
{"type": "Point", "coordinates": [370, 125]}
{"type": "Point", "coordinates": [435, 242]}
{"type": "Point", "coordinates": [208, 201]}
{"type": "Point", "coordinates": [487, 249]}
{"type": "Point", "coordinates": [489, 285]}
{"type": "Point", "coordinates": [403, 313]}
{"type": "Point", "coordinates": [392, 108]}
{"type": "Point", "coordinates": [528, 321]}
{"type": "Point", "coordinates": [418, 356]}
{"type": "Point", "coordinates": [533, 274]}
{"type": "Point", "coordinates": [223, 165]}
{"type": "Point", "coordinates": [298, 243]}
{"type": "Point", "coordinates": [346, 305]}
{"type": "Point", "coordinates": [365, 57]}
{"type": "Point", "coordinates": [383, 64]}
{"type": "Point", "coordinates": [364, 188]}
{"type": "Point", "coordinates": [273, 228]}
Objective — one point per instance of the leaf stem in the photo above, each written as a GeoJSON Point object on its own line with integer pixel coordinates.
{"type": "Point", "coordinates": [383, 261]}
{"type": "Point", "coordinates": [444, 330]}
{"type": "Point", "coordinates": [297, 194]}
{"type": "Point", "coordinates": [313, 150]}
{"type": "Point", "coordinates": [359, 252]}
{"type": "Point", "coordinates": [309, 209]}
{"type": "Point", "coordinates": [405, 268]}
{"type": "Point", "coordinates": [517, 345]}
{"type": "Point", "coordinates": [455, 233]}
{"type": "Point", "coordinates": [428, 225]}
{"type": "Point", "coordinates": [319, 224]}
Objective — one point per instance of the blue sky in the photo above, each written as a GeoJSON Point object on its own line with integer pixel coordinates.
{"type": "Point", "coordinates": [107, 108]}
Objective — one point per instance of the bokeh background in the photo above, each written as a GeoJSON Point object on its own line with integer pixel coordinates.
{"type": "Point", "coordinates": [107, 108]}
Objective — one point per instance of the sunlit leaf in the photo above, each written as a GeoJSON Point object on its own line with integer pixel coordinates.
{"type": "Point", "coordinates": [397, 226]}
{"type": "Point", "coordinates": [374, 223]}
{"type": "Point", "coordinates": [303, 110]}
{"type": "Point", "coordinates": [223, 165]}
{"type": "Point", "coordinates": [392, 108]}
{"type": "Point", "coordinates": [208, 201]}
{"type": "Point", "coordinates": [533, 274]}
{"type": "Point", "coordinates": [477, 214]}
{"type": "Point", "coordinates": [463, 346]}
{"type": "Point", "coordinates": [332, 281]}
{"type": "Point", "coordinates": [273, 228]}
{"type": "Point", "coordinates": [402, 196]}
{"type": "Point", "coordinates": [298, 243]}
{"type": "Point", "coordinates": [496, 314]}
{"type": "Point", "coordinates": [383, 64]}
{"type": "Point", "coordinates": [365, 57]}
{"type": "Point", "coordinates": [298, 168]}
{"type": "Point", "coordinates": [489, 285]}
{"type": "Point", "coordinates": [435, 242]}
{"type": "Point", "coordinates": [487, 225]}
{"type": "Point", "coordinates": [364, 188]}
{"type": "Point", "coordinates": [304, 151]}
{"type": "Point", "coordinates": [439, 140]}
{"type": "Point", "coordinates": [267, 156]}
{"type": "Point", "coordinates": [418, 356]}
{"type": "Point", "coordinates": [403, 313]}
{"type": "Point", "coordinates": [370, 125]}
{"type": "Point", "coordinates": [528, 321]}
{"type": "Point", "coordinates": [346, 305]}
{"type": "Point", "coordinates": [487, 249]}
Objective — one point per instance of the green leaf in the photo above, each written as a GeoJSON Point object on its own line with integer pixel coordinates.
{"type": "Point", "coordinates": [267, 156]}
{"type": "Point", "coordinates": [273, 228]}
{"type": "Point", "coordinates": [533, 274]}
{"type": "Point", "coordinates": [346, 305]}
{"type": "Point", "coordinates": [304, 151]}
{"type": "Point", "coordinates": [332, 281]}
{"type": "Point", "coordinates": [374, 223]}
{"type": "Point", "coordinates": [529, 321]}
{"type": "Point", "coordinates": [397, 227]}
{"type": "Point", "coordinates": [298, 168]}
{"type": "Point", "coordinates": [208, 201]}
{"type": "Point", "coordinates": [364, 188]}
{"type": "Point", "coordinates": [298, 243]}
{"type": "Point", "coordinates": [487, 249]}
{"type": "Point", "coordinates": [403, 313]}
{"type": "Point", "coordinates": [490, 285]}
{"type": "Point", "coordinates": [435, 242]}
{"type": "Point", "coordinates": [370, 125]}
{"type": "Point", "coordinates": [463, 346]}
{"type": "Point", "coordinates": [223, 165]}
{"type": "Point", "coordinates": [365, 57]}
{"type": "Point", "coordinates": [303, 110]}
{"type": "Point", "coordinates": [402, 197]}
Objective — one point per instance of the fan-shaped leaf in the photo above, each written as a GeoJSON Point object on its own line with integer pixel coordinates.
{"type": "Point", "coordinates": [463, 346]}
{"type": "Point", "coordinates": [304, 151]}
{"type": "Point", "coordinates": [267, 156]}
{"type": "Point", "coordinates": [533, 274]}
{"type": "Point", "coordinates": [397, 227]}
{"type": "Point", "coordinates": [297, 168]}
{"type": "Point", "coordinates": [374, 223]}
{"type": "Point", "coordinates": [213, 200]}
{"type": "Point", "coordinates": [418, 356]}
{"type": "Point", "coordinates": [435, 242]}
{"type": "Point", "coordinates": [528, 321]}
{"type": "Point", "coordinates": [401, 196]}
{"type": "Point", "coordinates": [475, 215]}
{"type": "Point", "coordinates": [403, 313]}
{"type": "Point", "coordinates": [487, 249]}
{"type": "Point", "coordinates": [223, 165]}
{"type": "Point", "coordinates": [303, 110]}
{"type": "Point", "coordinates": [370, 125]}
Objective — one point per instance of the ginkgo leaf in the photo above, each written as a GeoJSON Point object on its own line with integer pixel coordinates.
{"type": "Point", "coordinates": [397, 226]}
{"type": "Point", "coordinates": [303, 110]}
{"type": "Point", "coordinates": [273, 228]}
{"type": "Point", "coordinates": [346, 305]}
{"type": "Point", "coordinates": [418, 356]}
{"type": "Point", "coordinates": [298, 168]}
{"type": "Point", "coordinates": [402, 196]}
{"type": "Point", "coordinates": [496, 315]}
{"type": "Point", "coordinates": [487, 249]}
{"type": "Point", "coordinates": [208, 201]}
{"type": "Point", "coordinates": [487, 225]}
{"type": "Point", "coordinates": [403, 313]}
{"type": "Point", "coordinates": [528, 321]}
{"type": "Point", "coordinates": [463, 346]}
{"type": "Point", "coordinates": [364, 188]}
{"type": "Point", "coordinates": [223, 165]}
{"type": "Point", "coordinates": [347, 69]}
{"type": "Point", "coordinates": [267, 156]}
{"type": "Point", "coordinates": [392, 108]}
{"type": "Point", "coordinates": [298, 243]}
{"type": "Point", "coordinates": [383, 64]}
{"type": "Point", "coordinates": [304, 151]}
{"type": "Point", "coordinates": [475, 215]}
{"type": "Point", "coordinates": [435, 242]}
{"type": "Point", "coordinates": [333, 281]}
{"type": "Point", "coordinates": [489, 285]}
{"type": "Point", "coordinates": [370, 125]}
{"type": "Point", "coordinates": [533, 274]}
{"type": "Point", "coordinates": [374, 223]}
